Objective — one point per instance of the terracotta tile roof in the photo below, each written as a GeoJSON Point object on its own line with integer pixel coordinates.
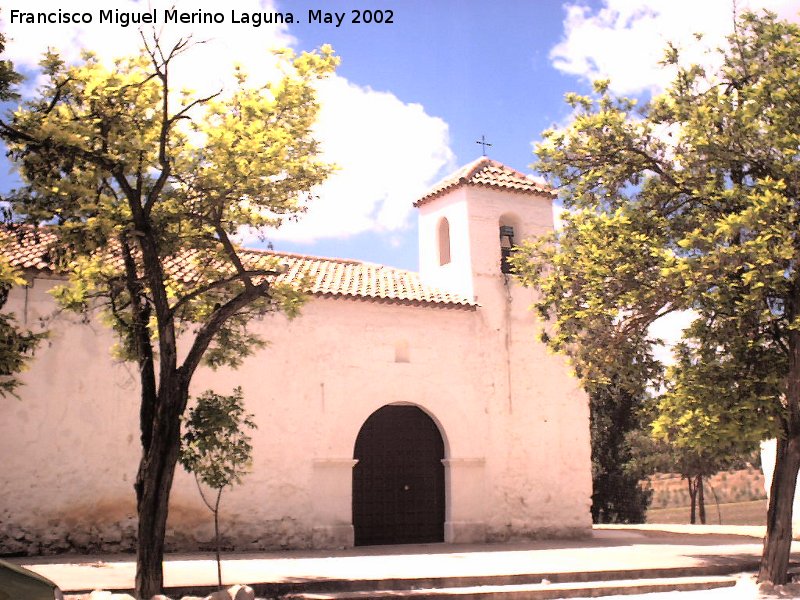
{"type": "Point", "coordinates": [27, 251]}
{"type": "Point", "coordinates": [326, 277]}
{"type": "Point", "coordinates": [487, 172]}
{"type": "Point", "coordinates": [355, 279]}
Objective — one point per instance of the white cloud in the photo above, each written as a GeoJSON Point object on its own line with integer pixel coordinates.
{"type": "Point", "coordinates": [669, 329]}
{"type": "Point", "coordinates": [388, 151]}
{"type": "Point", "coordinates": [388, 154]}
{"type": "Point", "coordinates": [625, 39]}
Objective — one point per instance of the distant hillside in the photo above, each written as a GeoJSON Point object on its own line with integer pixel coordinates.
{"type": "Point", "coordinates": [670, 491]}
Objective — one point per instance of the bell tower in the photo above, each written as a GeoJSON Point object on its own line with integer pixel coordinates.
{"type": "Point", "coordinates": [470, 221]}
{"type": "Point", "coordinates": [468, 225]}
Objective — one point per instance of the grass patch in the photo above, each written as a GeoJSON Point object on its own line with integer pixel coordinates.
{"type": "Point", "coordinates": [733, 513]}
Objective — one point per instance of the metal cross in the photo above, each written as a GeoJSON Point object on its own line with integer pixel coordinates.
{"type": "Point", "coordinates": [483, 143]}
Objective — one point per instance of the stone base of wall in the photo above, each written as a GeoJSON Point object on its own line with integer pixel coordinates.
{"type": "Point", "coordinates": [120, 538]}
{"type": "Point", "coordinates": [333, 536]}
{"type": "Point", "coordinates": [283, 534]}
{"type": "Point", "coordinates": [516, 534]}
{"type": "Point", "coordinates": [464, 532]}
{"type": "Point", "coordinates": [60, 539]}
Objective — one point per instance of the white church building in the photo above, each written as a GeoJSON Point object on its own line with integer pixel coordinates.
{"type": "Point", "coordinates": [399, 407]}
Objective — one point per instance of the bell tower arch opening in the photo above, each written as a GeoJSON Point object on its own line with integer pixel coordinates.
{"type": "Point", "coordinates": [444, 241]}
{"type": "Point", "coordinates": [510, 233]}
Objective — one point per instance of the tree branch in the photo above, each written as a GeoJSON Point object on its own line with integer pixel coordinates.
{"type": "Point", "coordinates": [219, 283]}
{"type": "Point", "coordinates": [140, 334]}
{"type": "Point", "coordinates": [233, 256]}
{"type": "Point", "coordinates": [50, 145]}
{"type": "Point", "coordinates": [215, 323]}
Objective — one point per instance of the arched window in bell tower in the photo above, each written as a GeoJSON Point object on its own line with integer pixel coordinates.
{"type": "Point", "coordinates": [509, 236]}
{"type": "Point", "coordinates": [444, 241]}
{"type": "Point", "coordinates": [506, 246]}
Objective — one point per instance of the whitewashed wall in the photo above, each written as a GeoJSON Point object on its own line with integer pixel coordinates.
{"type": "Point", "coordinates": [514, 422]}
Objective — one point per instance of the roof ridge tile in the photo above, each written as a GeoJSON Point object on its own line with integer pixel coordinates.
{"type": "Point", "coordinates": [486, 171]}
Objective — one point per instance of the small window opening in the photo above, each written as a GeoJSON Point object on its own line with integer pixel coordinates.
{"type": "Point", "coordinates": [401, 353]}
{"type": "Point", "coordinates": [444, 241]}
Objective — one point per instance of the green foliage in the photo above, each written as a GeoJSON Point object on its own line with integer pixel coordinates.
{"type": "Point", "coordinates": [109, 152]}
{"type": "Point", "coordinates": [651, 455]}
{"type": "Point", "coordinates": [612, 356]}
{"type": "Point", "coordinates": [8, 76]}
{"type": "Point", "coordinates": [599, 278]}
{"type": "Point", "coordinates": [690, 201]}
{"type": "Point", "coordinates": [687, 202]}
{"type": "Point", "coordinates": [216, 448]}
{"type": "Point", "coordinates": [16, 344]}
{"type": "Point", "coordinates": [695, 415]}
{"type": "Point", "coordinates": [617, 493]}
{"type": "Point", "coordinates": [149, 188]}
{"type": "Point", "coordinates": [215, 445]}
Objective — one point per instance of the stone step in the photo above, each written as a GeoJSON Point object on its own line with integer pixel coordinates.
{"type": "Point", "coordinates": [395, 587]}
{"type": "Point", "coordinates": [295, 588]}
{"type": "Point", "coordinates": [531, 591]}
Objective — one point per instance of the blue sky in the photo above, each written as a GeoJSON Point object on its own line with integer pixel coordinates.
{"type": "Point", "coordinates": [411, 97]}
{"type": "Point", "coordinates": [481, 66]}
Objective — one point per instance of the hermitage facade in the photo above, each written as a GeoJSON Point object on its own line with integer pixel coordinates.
{"type": "Point", "coordinates": [399, 407]}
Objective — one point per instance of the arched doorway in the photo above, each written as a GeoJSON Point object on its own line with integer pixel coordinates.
{"type": "Point", "coordinates": [398, 482]}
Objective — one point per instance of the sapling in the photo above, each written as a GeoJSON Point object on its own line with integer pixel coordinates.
{"type": "Point", "coordinates": [216, 449]}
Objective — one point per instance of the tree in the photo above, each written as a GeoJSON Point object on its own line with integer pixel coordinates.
{"type": "Point", "coordinates": [8, 76]}
{"type": "Point", "coordinates": [16, 345]}
{"type": "Point", "coordinates": [652, 455]}
{"type": "Point", "coordinates": [691, 201]}
{"type": "Point", "coordinates": [610, 356]}
{"type": "Point", "coordinates": [148, 187]}
{"type": "Point", "coordinates": [701, 427]}
{"type": "Point", "coordinates": [701, 424]}
{"type": "Point", "coordinates": [216, 449]}
{"type": "Point", "coordinates": [617, 493]}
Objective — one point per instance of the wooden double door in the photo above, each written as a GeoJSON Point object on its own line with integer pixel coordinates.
{"type": "Point", "coordinates": [398, 482]}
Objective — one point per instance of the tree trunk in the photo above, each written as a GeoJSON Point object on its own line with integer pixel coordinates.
{"type": "Point", "coordinates": [778, 541]}
{"type": "Point", "coordinates": [777, 544]}
{"type": "Point", "coordinates": [716, 501]}
{"type": "Point", "coordinates": [216, 537]}
{"type": "Point", "coordinates": [701, 500]}
{"type": "Point", "coordinates": [153, 486]}
{"type": "Point", "coordinates": [692, 499]}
